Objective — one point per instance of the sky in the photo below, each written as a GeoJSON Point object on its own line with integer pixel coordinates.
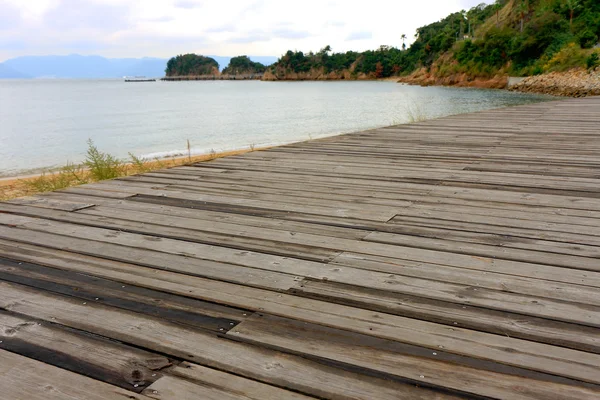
{"type": "Point", "coordinates": [163, 28]}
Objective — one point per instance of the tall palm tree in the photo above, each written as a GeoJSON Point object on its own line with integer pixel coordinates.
{"type": "Point", "coordinates": [523, 9]}
{"type": "Point", "coordinates": [572, 4]}
{"type": "Point", "coordinates": [403, 37]}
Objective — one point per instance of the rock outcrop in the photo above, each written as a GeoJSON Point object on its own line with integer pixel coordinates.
{"type": "Point", "coordinates": [574, 83]}
{"type": "Point", "coordinates": [430, 78]}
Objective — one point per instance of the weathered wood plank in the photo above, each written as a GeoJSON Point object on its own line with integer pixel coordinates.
{"type": "Point", "coordinates": [565, 362]}
{"type": "Point", "coordinates": [193, 381]}
{"type": "Point", "coordinates": [454, 314]}
{"type": "Point", "coordinates": [22, 378]}
{"type": "Point", "coordinates": [45, 202]}
{"type": "Point", "coordinates": [512, 325]}
{"type": "Point", "coordinates": [252, 362]}
{"type": "Point", "coordinates": [581, 312]}
{"type": "Point", "coordinates": [434, 368]}
{"type": "Point", "coordinates": [93, 356]}
{"type": "Point", "coordinates": [191, 312]}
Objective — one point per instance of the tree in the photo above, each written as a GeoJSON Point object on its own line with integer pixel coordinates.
{"type": "Point", "coordinates": [403, 37]}
{"type": "Point", "coordinates": [379, 70]}
{"type": "Point", "coordinates": [325, 50]}
{"type": "Point", "coordinates": [572, 5]}
{"type": "Point", "coordinates": [523, 9]}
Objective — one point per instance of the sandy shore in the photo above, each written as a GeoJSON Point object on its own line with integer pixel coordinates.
{"type": "Point", "coordinates": [12, 187]}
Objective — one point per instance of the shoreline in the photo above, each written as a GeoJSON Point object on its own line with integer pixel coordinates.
{"type": "Point", "coordinates": [17, 186]}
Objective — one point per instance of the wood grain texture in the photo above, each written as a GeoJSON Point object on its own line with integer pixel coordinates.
{"type": "Point", "coordinates": [22, 378]}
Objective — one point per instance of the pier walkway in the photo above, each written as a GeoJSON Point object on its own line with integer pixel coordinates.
{"type": "Point", "coordinates": [447, 259]}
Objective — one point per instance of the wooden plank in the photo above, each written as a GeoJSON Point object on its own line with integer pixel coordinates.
{"type": "Point", "coordinates": [22, 378]}
{"type": "Point", "coordinates": [427, 368]}
{"type": "Point", "coordinates": [175, 260]}
{"type": "Point", "coordinates": [237, 219]}
{"type": "Point", "coordinates": [266, 261]}
{"type": "Point", "coordinates": [509, 351]}
{"type": "Point", "coordinates": [210, 233]}
{"type": "Point", "coordinates": [93, 356]}
{"type": "Point", "coordinates": [45, 202]}
{"type": "Point", "coordinates": [460, 315]}
{"type": "Point", "coordinates": [398, 223]}
{"type": "Point", "coordinates": [193, 381]}
{"type": "Point", "coordinates": [203, 315]}
{"type": "Point", "coordinates": [583, 312]}
{"type": "Point", "coordinates": [268, 366]}
{"type": "Point", "coordinates": [554, 258]}
{"type": "Point", "coordinates": [282, 203]}
{"type": "Point", "coordinates": [468, 215]}
{"type": "Point", "coordinates": [496, 239]}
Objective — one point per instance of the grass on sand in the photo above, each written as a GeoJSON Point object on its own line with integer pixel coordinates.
{"type": "Point", "coordinates": [97, 166]}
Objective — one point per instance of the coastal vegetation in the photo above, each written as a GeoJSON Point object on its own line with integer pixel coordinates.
{"type": "Point", "coordinates": [243, 65]}
{"type": "Point", "coordinates": [191, 65]}
{"type": "Point", "coordinates": [516, 37]}
{"type": "Point", "coordinates": [98, 166]}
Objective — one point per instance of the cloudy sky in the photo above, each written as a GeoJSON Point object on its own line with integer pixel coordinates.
{"type": "Point", "coordinates": [162, 28]}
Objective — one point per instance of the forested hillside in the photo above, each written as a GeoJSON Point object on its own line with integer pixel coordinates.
{"type": "Point", "coordinates": [517, 37]}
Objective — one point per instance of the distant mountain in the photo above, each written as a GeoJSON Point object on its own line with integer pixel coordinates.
{"type": "Point", "coordinates": [78, 66]}
{"type": "Point", "coordinates": [7, 72]}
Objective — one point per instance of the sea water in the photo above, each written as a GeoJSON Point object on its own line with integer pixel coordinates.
{"type": "Point", "coordinates": [46, 123]}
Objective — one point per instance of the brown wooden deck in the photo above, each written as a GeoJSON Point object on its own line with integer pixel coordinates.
{"type": "Point", "coordinates": [454, 258]}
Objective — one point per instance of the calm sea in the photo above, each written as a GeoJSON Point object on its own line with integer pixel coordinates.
{"type": "Point", "coordinates": [45, 123]}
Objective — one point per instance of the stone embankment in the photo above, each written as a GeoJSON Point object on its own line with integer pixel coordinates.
{"type": "Point", "coordinates": [574, 83]}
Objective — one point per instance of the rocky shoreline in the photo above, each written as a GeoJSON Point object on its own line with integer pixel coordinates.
{"type": "Point", "coordinates": [424, 78]}
{"type": "Point", "coordinates": [574, 83]}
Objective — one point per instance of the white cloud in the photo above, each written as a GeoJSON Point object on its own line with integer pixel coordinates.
{"type": "Point", "coordinates": [162, 28]}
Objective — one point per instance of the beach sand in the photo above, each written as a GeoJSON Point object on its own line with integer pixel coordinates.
{"type": "Point", "coordinates": [13, 187]}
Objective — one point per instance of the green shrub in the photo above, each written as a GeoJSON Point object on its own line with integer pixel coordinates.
{"type": "Point", "coordinates": [587, 39]}
{"type": "Point", "coordinates": [67, 176]}
{"type": "Point", "coordinates": [593, 60]}
{"type": "Point", "coordinates": [568, 57]}
{"type": "Point", "coordinates": [102, 165]}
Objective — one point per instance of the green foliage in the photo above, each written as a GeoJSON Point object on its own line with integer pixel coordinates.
{"type": "Point", "coordinates": [243, 65]}
{"type": "Point", "coordinates": [139, 165]}
{"type": "Point", "coordinates": [191, 65]}
{"type": "Point", "coordinates": [587, 38]}
{"type": "Point", "coordinates": [101, 165]}
{"type": "Point", "coordinates": [67, 176]}
{"type": "Point", "coordinates": [593, 60]}
{"type": "Point", "coordinates": [568, 57]}
{"type": "Point", "coordinates": [538, 31]}
{"type": "Point", "coordinates": [519, 36]}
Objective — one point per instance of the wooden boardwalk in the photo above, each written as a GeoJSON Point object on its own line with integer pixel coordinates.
{"type": "Point", "coordinates": [454, 258]}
